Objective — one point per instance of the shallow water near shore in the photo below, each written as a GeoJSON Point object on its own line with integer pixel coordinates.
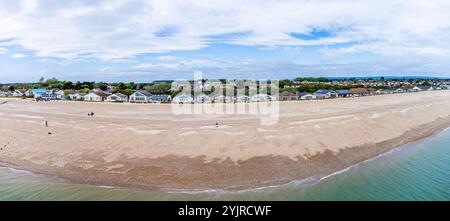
{"type": "Point", "coordinates": [416, 171]}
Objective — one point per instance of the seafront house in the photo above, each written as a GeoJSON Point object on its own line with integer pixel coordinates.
{"type": "Point", "coordinates": [117, 97]}
{"type": "Point", "coordinates": [400, 90]}
{"type": "Point", "coordinates": [388, 91]}
{"type": "Point", "coordinates": [306, 96]}
{"type": "Point", "coordinates": [425, 88]}
{"type": "Point", "coordinates": [59, 94]}
{"type": "Point", "coordinates": [160, 98]}
{"type": "Point", "coordinates": [325, 94]}
{"type": "Point", "coordinates": [76, 96]}
{"type": "Point", "coordinates": [183, 98]}
{"type": "Point", "coordinates": [262, 98]}
{"type": "Point", "coordinates": [343, 93]}
{"type": "Point", "coordinates": [47, 97]}
{"type": "Point", "coordinates": [380, 92]}
{"type": "Point", "coordinates": [416, 89]}
{"type": "Point", "coordinates": [95, 97]}
{"type": "Point", "coordinates": [3, 94]}
{"type": "Point", "coordinates": [242, 99]}
{"type": "Point", "coordinates": [38, 92]}
{"type": "Point", "coordinates": [444, 87]}
{"type": "Point", "coordinates": [203, 98]}
{"type": "Point", "coordinates": [29, 93]}
{"type": "Point", "coordinates": [223, 99]}
{"type": "Point", "coordinates": [358, 92]}
{"type": "Point", "coordinates": [18, 93]}
{"type": "Point", "coordinates": [140, 96]}
{"type": "Point", "coordinates": [288, 96]}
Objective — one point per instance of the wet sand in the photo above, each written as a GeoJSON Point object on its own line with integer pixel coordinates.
{"type": "Point", "coordinates": [147, 146]}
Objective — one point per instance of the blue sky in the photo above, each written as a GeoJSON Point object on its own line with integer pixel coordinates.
{"type": "Point", "coordinates": [137, 40]}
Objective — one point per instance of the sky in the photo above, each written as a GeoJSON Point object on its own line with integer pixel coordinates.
{"type": "Point", "coordinates": [146, 40]}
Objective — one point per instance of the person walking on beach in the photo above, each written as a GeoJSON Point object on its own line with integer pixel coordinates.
{"type": "Point", "coordinates": [46, 124]}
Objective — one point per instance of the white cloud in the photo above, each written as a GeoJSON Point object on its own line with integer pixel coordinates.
{"type": "Point", "coordinates": [3, 50]}
{"type": "Point", "coordinates": [19, 56]}
{"type": "Point", "coordinates": [122, 29]}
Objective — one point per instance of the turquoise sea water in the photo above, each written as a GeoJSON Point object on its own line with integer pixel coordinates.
{"type": "Point", "coordinates": [416, 171]}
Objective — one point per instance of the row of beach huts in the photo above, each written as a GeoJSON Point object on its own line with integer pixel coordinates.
{"type": "Point", "coordinates": [143, 96]}
{"type": "Point", "coordinates": [353, 92]}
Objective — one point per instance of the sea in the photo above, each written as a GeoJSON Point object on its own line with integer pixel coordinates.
{"type": "Point", "coordinates": [415, 171]}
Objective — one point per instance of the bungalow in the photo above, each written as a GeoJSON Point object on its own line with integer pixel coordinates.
{"type": "Point", "coordinates": [306, 96]}
{"type": "Point", "coordinates": [242, 98]}
{"type": "Point", "coordinates": [29, 93]}
{"type": "Point", "coordinates": [59, 94]}
{"type": "Point", "coordinates": [95, 97]}
{"type": "Point", "coordinates": [223, 99]}
{"type": "Point", "coordinates": [324, 94]}
{"type": "Point", "coordinates": [400, 90]}
{"type": "Point", "coordinates": [117, 97]}
{"type": "Point", "coordinates": [389, 91]}
{"type": "Point", "coordinates": [140, 96]}
{"type": "Point", "coordinates": [425, 88]}
{"type": "Point", "coordinates": [262, 98]}
{"type": "Point", "coordinates": [343, 93]}
{"type": "Point", "coordinates": [47, 97]}
{"type": "Point", "coordinates": [444, 87]}
{"type": "Point", "coordinates": [38, 92]}
{"type": "Point", "coordinates": [288, 96]}
{"type": "Point", "coordinates": [17, 93]}
{"type": "Point", "coordinates": [360, 91]}
{"type": "Point", "coordinates": [76, 96]}
{"type": "Point", "coordinates": [203, 98]}
{"type": "Point", "coordinates": [3, 94]}
{"type": "Point", "coordinates": [160, 98]}
{"type": "Point", "coordinates": [379, 92]}
{"type": "Point", "coordinates": [183, 98]}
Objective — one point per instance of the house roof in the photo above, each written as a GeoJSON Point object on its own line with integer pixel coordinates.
{"type": "Point", "coordinates": [323, 91]}
{"type": "Point", "coordinates": [303, 94]}
{"type": "Point", "coordinates": [92, 94]}
{"type": "Point", "coordinates": [424, 87]}
{"type": "Point", "coordinates": [184, 95]}
{"type": "Point", "coordinates": [144, 92]}
{"type": "Point", "coordinates": [359, 90]}
{"type": "Point", "coordinates": [119, 95]}
{"type": "Point", "coordinates": [202, 95]}
{"type": "Point", "coordinates": [160, 96]}
{"type": "Point", "coordinates": [343, 91]}
{"type": "Point", "coordinates": [286, 94]}
{"type": "Point", "coordinates": [101, 94]}
{"type": "Point", "coordinates": [39, 91]}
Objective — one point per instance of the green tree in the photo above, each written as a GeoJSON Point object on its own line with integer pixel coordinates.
{"type": "Point", "coordinates": [159, 88]}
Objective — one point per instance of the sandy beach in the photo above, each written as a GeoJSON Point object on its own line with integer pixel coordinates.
{"type": "Point", "coordinates": [147, 146]}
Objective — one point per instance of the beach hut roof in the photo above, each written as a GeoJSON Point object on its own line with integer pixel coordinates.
{"type": "Point", "coordinates": [323, 91]}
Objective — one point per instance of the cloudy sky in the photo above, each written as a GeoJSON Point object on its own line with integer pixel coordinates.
{"type": "Point", "coordinates": [134, 40]}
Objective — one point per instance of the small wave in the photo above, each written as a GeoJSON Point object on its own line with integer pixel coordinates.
{"type": "Point", "coordinates": [14, 170]}
{"type": "Point", "coordinates": [295, 183]}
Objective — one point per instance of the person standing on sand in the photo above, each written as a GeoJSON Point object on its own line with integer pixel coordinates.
{"type": "Point", "coordinates": [46, 124]}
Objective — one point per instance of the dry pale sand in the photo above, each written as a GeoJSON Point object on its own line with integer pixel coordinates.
{"type": "Point", "coordinates": [147, 146]}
